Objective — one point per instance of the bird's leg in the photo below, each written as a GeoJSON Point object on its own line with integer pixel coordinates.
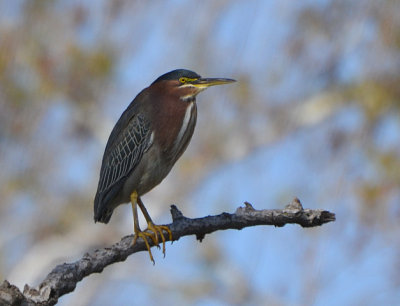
{"type": "Point", "coordinates": [136, 228]}
{"type": "Point", "coordinates": [152, 227]}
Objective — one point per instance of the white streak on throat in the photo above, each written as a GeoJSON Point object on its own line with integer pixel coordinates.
{"type": "Point", "coordinates": [185, 123]}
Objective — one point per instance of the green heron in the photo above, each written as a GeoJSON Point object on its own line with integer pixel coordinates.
{"type": "Point", "coordinates": [149, 137]}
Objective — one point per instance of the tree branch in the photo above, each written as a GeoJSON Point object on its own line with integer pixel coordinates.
{"type": "Point", "coordinates": [64, 277]}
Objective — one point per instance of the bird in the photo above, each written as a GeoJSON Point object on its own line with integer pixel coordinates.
{"type": "Point", "coordinates": [145, 143]}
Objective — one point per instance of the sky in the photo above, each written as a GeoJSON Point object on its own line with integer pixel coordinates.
{"type": "Point", "coordinates": [283, 131]}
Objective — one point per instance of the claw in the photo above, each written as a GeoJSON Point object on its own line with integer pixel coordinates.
{"type": "Point", "coordinates": [152, 230]}
{"type": "Point", "coordinates": [143, 236]}
{"type": "Point", "coordinates": [158, 229]}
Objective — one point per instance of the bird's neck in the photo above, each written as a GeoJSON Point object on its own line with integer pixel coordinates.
{"type": "Point", "coordinates": [175, 126]}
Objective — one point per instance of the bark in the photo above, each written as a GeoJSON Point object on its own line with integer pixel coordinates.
{"type": "Point", "coordinates": [64, 277]}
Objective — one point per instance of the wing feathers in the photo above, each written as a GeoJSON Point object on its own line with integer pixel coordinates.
{"type": "Point", "coordinates": [120, 158]}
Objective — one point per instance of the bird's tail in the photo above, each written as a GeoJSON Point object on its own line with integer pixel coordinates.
{"type": "Point", "coordinates": [101, 212]}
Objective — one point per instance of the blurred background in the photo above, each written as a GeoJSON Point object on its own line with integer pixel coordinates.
{"type": "Point", "coordinates": [315, 114]}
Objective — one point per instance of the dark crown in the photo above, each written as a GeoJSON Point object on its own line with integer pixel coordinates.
{"type": "Point", "coordinates": [176, 74]}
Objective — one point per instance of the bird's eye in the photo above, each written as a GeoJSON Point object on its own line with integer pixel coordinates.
{"type": "Point", "coordinates": [182, 80]}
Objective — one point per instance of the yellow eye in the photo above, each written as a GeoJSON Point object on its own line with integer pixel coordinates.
{"type": "Point", "coordinates": [183, 80]}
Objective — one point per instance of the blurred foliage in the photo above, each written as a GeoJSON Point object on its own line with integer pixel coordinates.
{"type": "Point", "coordinates": [65, 76]}
{"type": "Point", "coordinates": [44, 65]}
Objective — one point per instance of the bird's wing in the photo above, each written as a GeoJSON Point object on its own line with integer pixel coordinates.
{"type": "Point", "coordinates": [125, 153]}
{"type": "Point", "coordinates": [124, 150]}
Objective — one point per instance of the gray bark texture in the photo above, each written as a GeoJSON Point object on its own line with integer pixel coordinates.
{"type": "Point", "coordinates": [64, 277]}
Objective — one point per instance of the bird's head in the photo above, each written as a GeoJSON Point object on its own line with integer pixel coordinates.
{"type": "Point", "coordinates": [187, 84]}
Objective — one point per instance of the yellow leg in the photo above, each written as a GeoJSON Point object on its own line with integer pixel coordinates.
{"type": "Point", "coordinates": [156, 229]}
{"type": "Point", "coordinates": [136, 228]}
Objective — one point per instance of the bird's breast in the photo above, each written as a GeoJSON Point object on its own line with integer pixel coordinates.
{"type": "Point", "coordinates": [172, 134]}
{"type": "Point", "coordinates": [176, 129]}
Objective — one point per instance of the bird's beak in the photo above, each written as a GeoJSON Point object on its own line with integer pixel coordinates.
{"type": "Point", "coordinates": [203, 83]}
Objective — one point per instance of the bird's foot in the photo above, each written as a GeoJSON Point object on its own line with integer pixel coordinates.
{"type": "Point", "coordinates": [158, 229]}
{"type": "Point", "coordinates": [144, 235]}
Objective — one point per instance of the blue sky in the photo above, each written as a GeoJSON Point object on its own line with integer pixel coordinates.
{"type": "Point", "coordinates": [350, 261]}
